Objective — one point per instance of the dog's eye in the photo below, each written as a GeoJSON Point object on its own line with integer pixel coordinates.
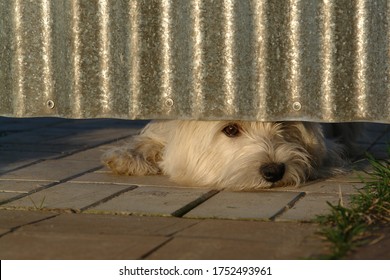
{"type": "Point", "coordinates": [231, 130]}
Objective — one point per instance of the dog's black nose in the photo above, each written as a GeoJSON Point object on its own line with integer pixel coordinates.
{"type": "Point", "coordinates": [272, 172]}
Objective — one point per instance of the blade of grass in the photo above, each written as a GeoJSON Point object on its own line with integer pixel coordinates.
{"type": "Point", "coordinates": [347, 228]}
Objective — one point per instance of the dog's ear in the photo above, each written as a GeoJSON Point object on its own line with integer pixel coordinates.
{"type": "Point", "coordinates": [310, 137]}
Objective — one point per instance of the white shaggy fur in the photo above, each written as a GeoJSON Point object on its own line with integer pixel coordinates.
{"type": "Point", "coordinates": [234, 155]}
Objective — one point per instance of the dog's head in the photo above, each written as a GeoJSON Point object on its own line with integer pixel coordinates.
{"type": "Point", "coordinates": [243, 155]}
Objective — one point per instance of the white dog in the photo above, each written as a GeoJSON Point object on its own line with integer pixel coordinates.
{"type": "Point", "coordinates": [234, 155]}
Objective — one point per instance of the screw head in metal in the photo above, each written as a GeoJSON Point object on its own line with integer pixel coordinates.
{"type": "Point", "coordinates": [297, 106]}
{"type": "Point", "coordinates": [169, 102]}
{"type": "Point", "coordinates": [50, 104]}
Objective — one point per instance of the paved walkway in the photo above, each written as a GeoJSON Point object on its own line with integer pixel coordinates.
{"type": "Point", "coordinates": [58, 202]}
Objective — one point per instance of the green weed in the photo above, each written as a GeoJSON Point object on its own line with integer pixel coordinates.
{"type": "Point", "coordinates": [40, 206]}
{"type": "Point", "coordinates": [346, 228]}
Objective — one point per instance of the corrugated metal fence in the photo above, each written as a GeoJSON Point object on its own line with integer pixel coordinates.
{"type": "Point", "coordinates": [258, 60]}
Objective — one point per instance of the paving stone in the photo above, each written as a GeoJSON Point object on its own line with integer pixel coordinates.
{"type": "Point", "coordinates": [243, 205]}
{"type": "Point", "coordinates": [96, 153]}
{"type": "Point", "coordinates": [5, 196]}
{"type": "Point", "coordinates": [307, 208]}
{"type": "Point", "coordinates": [93, 154]}
{"type": "Point", "coordinates": [104, 123]}
{"type": "Point", "coordinates": [36, 136]}
{"type": "Point", "coordinates": [386, 136]}
{"type": "Point", "coordinates": [250, 230]}
{"type": "Point", "coordinates": [51, 170]}
{"type": "Point", "coordinates": [376, 127]}
{"type": "Point", "coordinates": [16, 159]}
{"type": "Point", "coordinates": [186, 248]}
{"type": "Point", "coordinates": [147, 200]}
{"type": "Point", "coordinates": [380, 151]}
{"type": "Point", "coordinates": [106, 176]}
{"type": "Point", "coordinates": [21, 186]}
{"type": "Point", "coordinates": [218, 239]}
{"type": "Point", "coordinates": [92, 137]}
{"type": "Point", "coordinates": [353, 177]}
{"type": "Point", "coordinates": [40, 148]}
{"type": "Point", "coordinates": [375, 134]}
{"type": "Point", "coordinates": [111, 225]}
{"type": "Point", "coordinates": [378, 250]}
{"type": "Point", "coordinates": [368, 139]}
{"type": "Point", "coordinates": [11, 189]}
{"type": "Point", "coordinates": [326, 187]}
{"type": "Point", "coordinates": [48, 245]}
{"type": "Point", "coordinates": [33, 120]}
{"type": "Point", "coordinates": [67, 196]}
{"type": "Point", "coordinates": [77, 152]}
{"type": "Point", "coordinates": [27, 124]}
{"type": "Point", "coordinates": [4, 231]}
{"type": "Point", "coordinates": [12, 219]}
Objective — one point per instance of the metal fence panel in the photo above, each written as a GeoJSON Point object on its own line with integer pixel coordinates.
{"type": "Point", "coordinates": [260, 60]}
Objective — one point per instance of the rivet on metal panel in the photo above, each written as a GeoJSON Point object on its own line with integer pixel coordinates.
{"type": "Point", "coordinates": [169, 102]}
{"type": "Point", "coordinates": [297, 106]}
{"type": "Point", "coordinates": [50, 104]}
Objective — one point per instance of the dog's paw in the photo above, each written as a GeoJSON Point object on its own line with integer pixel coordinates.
{"type": "Point", "coordinates": [128, 162]}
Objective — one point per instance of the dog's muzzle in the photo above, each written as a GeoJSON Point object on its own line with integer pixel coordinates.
{"type": "Point", "coordinates": [272, 172]}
